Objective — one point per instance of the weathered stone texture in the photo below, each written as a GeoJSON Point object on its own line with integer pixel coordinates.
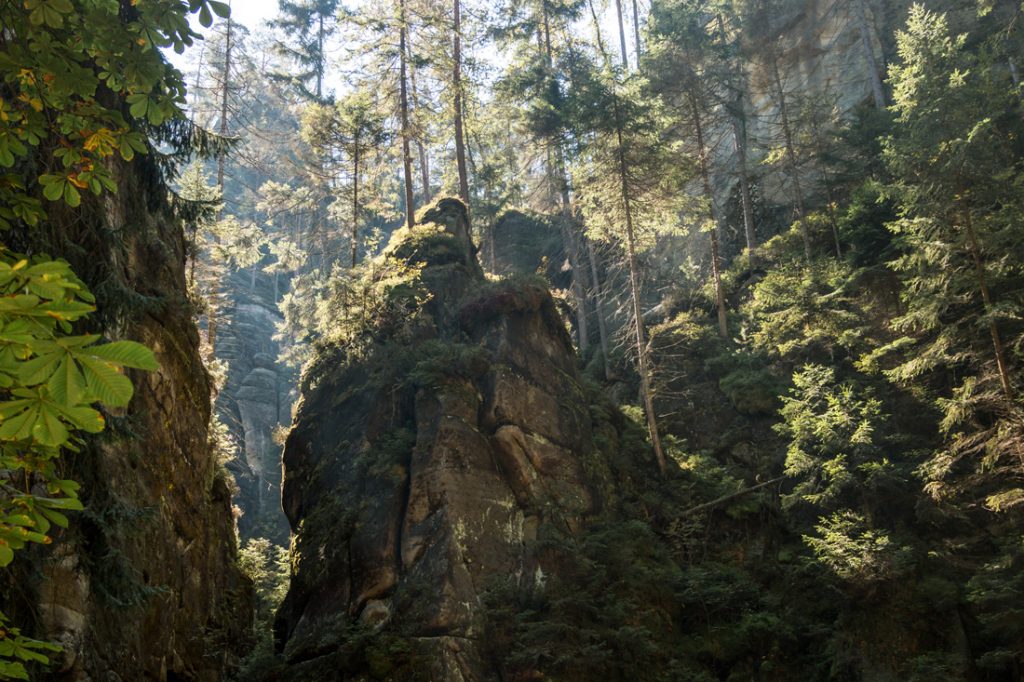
{"type": "Point", "coordinates": [408, 498]}
{"type": "Point", "coordinates": [145, 584]}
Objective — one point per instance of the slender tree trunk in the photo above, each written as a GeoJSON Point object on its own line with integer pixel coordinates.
{"type": "Point", "coordinates": [223, 128]}
{"type": "Point", "coordinates": [826, 180]}
{"type": "Point", "coordinates": [634, 285]}
{"type": "Point", "coordinates": [986, 297]}
{"type": "Point", "coordinates": [460, 143]}
{"type": "Point", "coordinates": [320, 59]}
{"type": "Point", "coordinates": [622, 33]}
{"type": "Point", "coordinates": [636, 32]}
{"type": "Point", "coordinates": [211, 319]}
{"type": "Point", "coordinates": [794, 169]}
{"type": "Point", "coordinates": [602, 322]}
{"type": "Point", "coordinates": [410, 202]}
{"type": "Point", "coordinates": [597, 32]}
{"type": "Point", "coordinates": [709, 194]}
{"type": "Point", "coordinates": [355, 203]}
{"type": "Point", "coordinates": [568, 222]}
{"type": "Point", "coordinates": [739, 136]}
{"type": "Point", "coordinates": [737, 120]}
{"type": "Point", "coordinates": [579, 288]}
{"type": "Point", "coordinates": [420, 147]}
{"type": "Point", "coordinates": [875, 75]}
{"type": "Point", "coordinates": [199, 76]}
{"type": "Point", "coordinates": [194, 250]}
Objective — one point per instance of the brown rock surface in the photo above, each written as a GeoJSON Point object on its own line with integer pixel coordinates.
{"type": "Point", "coordinates": [144, 585]}
{"type": "Point", "coordinates": [419, 472]}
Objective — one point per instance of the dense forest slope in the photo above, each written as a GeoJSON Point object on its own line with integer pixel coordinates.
{"type": "Point", "coordinates": [721, 381]}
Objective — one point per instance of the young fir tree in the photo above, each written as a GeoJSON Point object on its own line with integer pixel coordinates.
{"type": "Point", "coordinates": [633, 184]}
{"type": "Point", "coordinates": [305, 28]}
{"type": "Point", "coordinates": [957, 181]}
{"type": "Point", "coordinates": [675, 66]}
{"type": "Point", "coordinates": [348, 136]}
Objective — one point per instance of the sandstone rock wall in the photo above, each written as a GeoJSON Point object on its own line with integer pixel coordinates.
{"type": "Point", "coordinates": [421, 470]}
{"type": "Point", "coordinates": [144, 585]}
{"type": "Point", "coordinates": [822, 62]}
{"type": "Point", "coordinates": [256, 399]}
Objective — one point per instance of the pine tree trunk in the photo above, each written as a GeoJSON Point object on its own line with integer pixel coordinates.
{"type": "Point", "coordinates": [986, 297]}
{"type": "Point", "coordinates": [597, 33]}
{"type": "Point", "coordinates": [578, 284]}
{"type": "Point", "coordinates": [211, 319]}
{"type": "Point", "coordinates": [320, 59]}
{"type": "Point", "coordinates": [460, 144]}
{"type": "Point", "coordinates": [737, 120]}
{"type": "Point", "coordinates": [622, 33]}
{"type": "Point", "coordinates": [225, 84]}
{"type": "Point", "coordinates": [636, 32]}
{"type": "Point", "coordinates": [827, 182]}
{"type": "Point", "coordinates": [602, 321]}
{"type": "Point", "coordinates": [746, 203]}
{"type": "Point", "coordinates": [875, 75]}
{"type": "Point", "coordinates": [643, 361]}
{"type": "Point", "coordinates": [709, 195]}
{"type": "Point", "coordinates": [355, 204]}
{"type": "Point", "coordinates": [420, 147]}
{"type": "Point", "coordinates": [410, 202]}
{"type": "Point", "coordinates": [794, 169]}
{"type": "Point", "coordinates": [568, 239]}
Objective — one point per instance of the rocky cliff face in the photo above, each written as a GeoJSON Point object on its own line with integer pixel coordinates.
{"type": "Point", "coordinates": [423, 467]}
{"type": "Point", "coordinates": [144, 585]}
{"type": "Point", "coordinates": [256, 399]}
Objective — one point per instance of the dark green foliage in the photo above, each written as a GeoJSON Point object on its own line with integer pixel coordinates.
{"type": "Point", "coordinates": [608, 610]}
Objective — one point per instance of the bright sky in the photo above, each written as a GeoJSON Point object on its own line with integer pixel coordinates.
{"type": "Point", "coordinates": [249, 13]}
{"type": "Point", "coordinates": [254, 13]}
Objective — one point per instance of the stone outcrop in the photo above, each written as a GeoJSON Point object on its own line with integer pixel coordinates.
{"type": "Point", "coordinates": [145, 584]}
{"type": "Point", "coordinates": [423, 465]}
{"type": "Point", "coordinates": [256, 399]}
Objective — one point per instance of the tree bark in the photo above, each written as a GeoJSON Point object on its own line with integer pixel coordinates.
{"type": "Point", "coordinates": [875, 75]}
{"type": "Point", "coordinates": [460, 143]}
{"type": "Point", "coordinates": [355, 203]}
{"type": "Point", "coordinates": [709, 195]}
{"type": "Point", "coordinates": [986, 297]}
{"type": "Point", "coordinates": [410, 202]}
{"type": "Point", "coordinates": [622, 33]}
{"type": "Point", "coordinates": [794, 169]}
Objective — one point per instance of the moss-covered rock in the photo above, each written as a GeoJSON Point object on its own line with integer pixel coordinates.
{"type": "Point", "coordinates": [429, 465]}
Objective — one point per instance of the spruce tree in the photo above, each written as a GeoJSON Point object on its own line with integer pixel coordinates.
{"type": "Point", "coordinates": [305, 28]}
